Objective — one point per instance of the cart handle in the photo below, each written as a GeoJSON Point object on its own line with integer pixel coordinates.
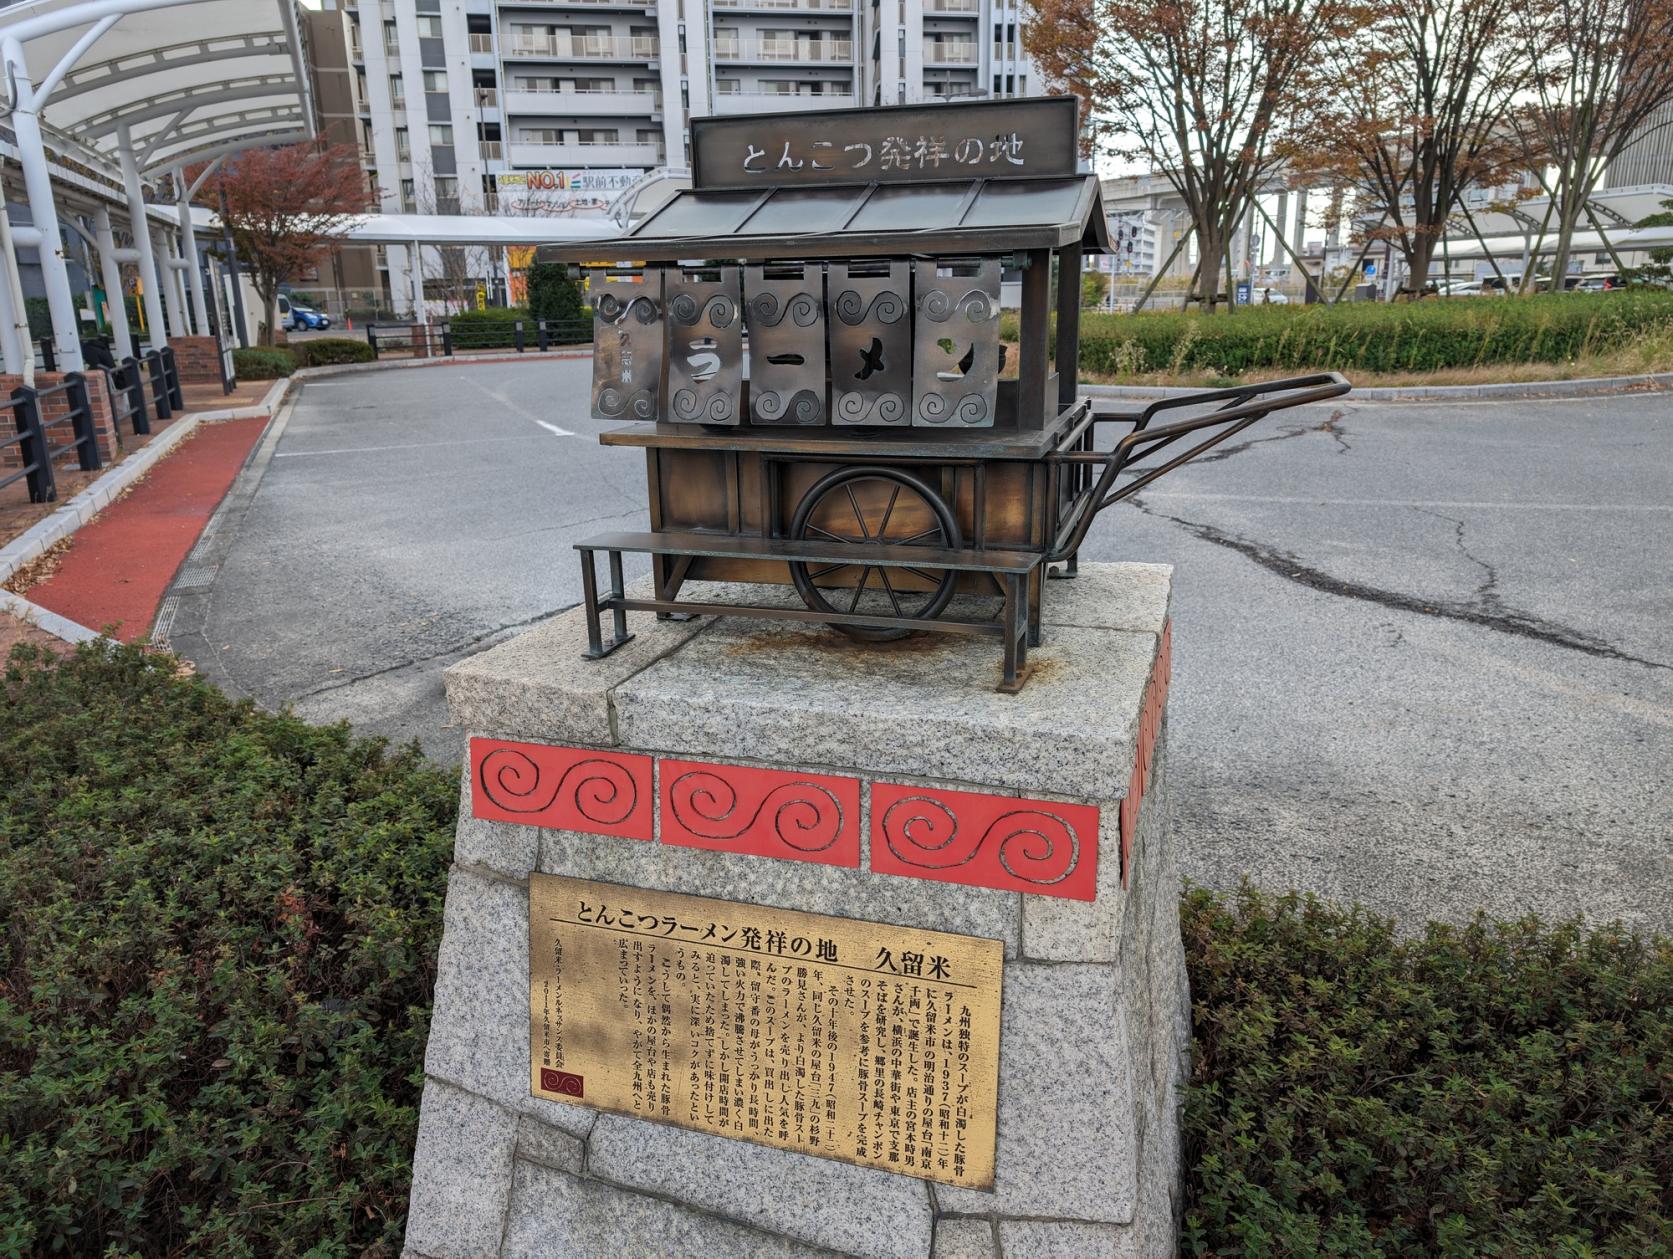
{"type": "Point", "coordinates": [1243, 406]}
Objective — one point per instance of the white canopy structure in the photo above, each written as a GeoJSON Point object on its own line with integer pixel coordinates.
{"type": "Point", "coordinates": [135, 88]}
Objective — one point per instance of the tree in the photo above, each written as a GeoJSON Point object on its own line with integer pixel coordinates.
{"type": "Point", "coordinates": [1204, 91]}
{"type": "Point", "coordinates": [554, 296]}
{"type": "Point", "coordinates": [285, 208]}
{"type": "Point", "coordinates": [1413, 114]}
{"type": "Point", "coordinates": [1602, 72]}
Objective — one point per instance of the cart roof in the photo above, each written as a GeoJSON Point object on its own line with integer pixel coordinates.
{"type": "Point", "coordinates": [936, 180]}
{"type": "Point", "coordinates": [871, 220]}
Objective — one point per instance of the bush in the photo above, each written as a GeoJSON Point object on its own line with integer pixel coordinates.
{"type": "Point", "coordinates": [261, 362]}
{"type": "Point", "coordinates": [556, 298]}
{"type": "Point", "coordinates": [218, 932]}
{"type": "Point", "coordinates": [1499, 1089]}
{"type": "Point", "coordinates": [1432, 335]}
{"type": "Point", "coordinates": [492, 328]}
{"type": "Point", "coordinates": [324, 351]}
{"type": "Point", "coordinates": [40, 318]}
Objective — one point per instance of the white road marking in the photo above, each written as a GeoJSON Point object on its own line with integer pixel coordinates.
{"type": "Point", "coordinates": [1171, 495]}
{"type": "Point", "coordinates": [553, 428]}
{"type": "Point", "coordinates": [516, 409]}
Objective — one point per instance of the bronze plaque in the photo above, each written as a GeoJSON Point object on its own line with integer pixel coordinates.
{"type": "Point", "coordinates": [785, 307]}
{"type": "Point", "coordinates": [857, 1041]}
{"type": "Point", "coordinates": [627, 343]}
{"type": "Point", "coordinates": [908, 144]}
{"type": "Point", "coordinates": [871, 342]}
{"type": "Point", "coordinates": [706, 345]}
{"type": "Point", "coordinates": [955, 343]}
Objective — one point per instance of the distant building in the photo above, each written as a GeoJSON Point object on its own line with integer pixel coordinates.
{"type": "Point", "coordinates": [553, 106]}
{"type": "Point", "coordinates": [1648, 159]}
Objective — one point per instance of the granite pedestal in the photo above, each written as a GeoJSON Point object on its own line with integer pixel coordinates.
{"type": "Point", "coordinates": [1095, 1014]}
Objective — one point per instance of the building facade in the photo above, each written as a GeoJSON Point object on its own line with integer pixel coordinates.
{"type": "Point", "coordinates": [554, 106]}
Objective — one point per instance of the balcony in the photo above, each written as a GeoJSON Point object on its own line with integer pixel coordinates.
{"type": "Point", "coordinates": [1006, 52]}
{"type": "Point", "coordinates": [532, 153]}
{"type": "Point", "coordinates": [492, 150]}
{"type": "Point", "coordinates": [794, 6]}
{"type": "Point", "coordinates": [952, 6]}
{"type": "Point", "coordinates": [786, 51]}
{"type": "Point", "coordinates": [585, 47]}
{"type": "Point", "coordinates": [482, 41]}
{"type": "Point", "coordinates": [640, 5]}
{"type": "Point", "coordinates": [777, 102]}
{"type": "Point", "coordinates": [951, 53]}
{"type": "Point", "coordinates": [487, 98]}
{"type": "Point", "coordinates": [568, 104]}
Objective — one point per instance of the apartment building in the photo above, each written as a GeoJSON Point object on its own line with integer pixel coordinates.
{"type": "Point", "coordinates": [554, 106]}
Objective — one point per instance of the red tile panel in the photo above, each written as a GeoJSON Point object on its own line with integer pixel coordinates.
{"type": "Point", "coordinates": [572, 789]}
{"type": "Point", "coordinates": [1037, 846]}
{"type": "Point", "coordinates": [761, 812]}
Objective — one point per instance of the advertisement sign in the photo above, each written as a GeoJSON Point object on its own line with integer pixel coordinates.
{"type": "Point", "coordinates": [567, 193]}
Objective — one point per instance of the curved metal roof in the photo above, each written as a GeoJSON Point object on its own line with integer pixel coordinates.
{"type": "Point", "coordinates": [187, 79]}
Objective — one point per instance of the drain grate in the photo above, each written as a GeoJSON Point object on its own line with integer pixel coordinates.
{"type": "Point", "coordinates": [195, 576]}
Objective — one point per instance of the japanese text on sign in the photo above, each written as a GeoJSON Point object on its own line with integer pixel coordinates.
{"type": "Point", "coordinates": [867, 1043]}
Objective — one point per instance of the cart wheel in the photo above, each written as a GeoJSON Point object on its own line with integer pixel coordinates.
{"type": "Point", "coordinates": [865, 505]}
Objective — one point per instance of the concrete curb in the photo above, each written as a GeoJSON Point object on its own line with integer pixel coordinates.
{"type": "Point", "coordinates": [1597, 386]}
{"type": "Point", "coordinates": [42, 619]}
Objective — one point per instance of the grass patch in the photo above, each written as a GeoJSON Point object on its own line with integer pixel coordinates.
{"type": "Point", "coordinates": [218, 931]}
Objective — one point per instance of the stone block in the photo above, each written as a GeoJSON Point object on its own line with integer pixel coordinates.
{"type": "Point", "coordinates": [555, 1213]}
{"type": "Point", "coordinates": [1056, 1239]}
{"type": "Point", "coordinates": [1056, 929]}
{"type": "Point", "coordinates": [1066, 1100]}
{"type": "Point", "coordinates": [507, 848]}
{"type": "Point", "coordinates": [479, 1032]}
{"type": "Point", "coordinates": [856, 1210]}
{"type": "Point", "coordinates": [540, 1142]}
{"type": "Point", "coordinates": [1136, 597]}
{"type": "Point", "coordinates": [925, 707]}
{"type": "Point", "coordinates": [965, 1239]}
{"type": "Point", "coordinates": [461, 1174]}
{"type": "Point", "coordinates": [537, 686]}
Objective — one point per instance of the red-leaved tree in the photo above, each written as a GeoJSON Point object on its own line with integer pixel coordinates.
{"type": "Point", "coordinates": [285, 209]}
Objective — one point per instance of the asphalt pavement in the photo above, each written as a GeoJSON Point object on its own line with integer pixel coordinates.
{"type": "Point", "coordinates": [1423, 652]}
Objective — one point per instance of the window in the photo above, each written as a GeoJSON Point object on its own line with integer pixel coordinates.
{"type": "Point", "coordinates": [441, 133]}
{"type": "Point", "coordinates": [397, 91]}
{"type": "Point", "coordinates": [447, 187]}
{"type": "Point", "coordinates": [407, 189]}
{"type": "Point", "coordinates": [403, 144]}
{"type": "Point", "coordinates": [595, 85]}
{"type": "Point", "coordinates": [598, 135]}
{"type": "Point", "coordinates": [435, 81]}
{"type": "Point", "coordinates": [649, 135]}
{"type": "Point", "coordinates": [429, 26]}
{"type": "Point", "coordinates": [391, 40]}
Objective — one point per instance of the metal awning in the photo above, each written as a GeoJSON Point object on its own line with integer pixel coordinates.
{"type": "Point", "coordinates": [186, 80]}
{"type": "Point", "coordinates": [862, 221]}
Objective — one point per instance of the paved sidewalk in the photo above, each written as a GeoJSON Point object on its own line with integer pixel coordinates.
{"type": "Point", "coordinates": [119, 566]}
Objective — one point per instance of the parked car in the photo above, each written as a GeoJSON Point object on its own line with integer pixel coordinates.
{"type": "Point", "coordinates": [1598, 284]}
{"type": "Point", "coordinates": [307, 319]}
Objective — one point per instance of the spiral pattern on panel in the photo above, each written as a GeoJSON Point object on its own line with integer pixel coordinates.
{"type": "Point", "coordinates": [716, 310]}
{"type": "Point", "coordinates": [975, 305]}
{"type": "Point", "coordinates": [612, 403]}
{"type": "Point", "coordinates": [689, 405]}
{"type": "Point", "coordinates": [851, 308]}
{"type": "Point", "coordinates": [604, 793]}
{"type": "Point", "coordinates": [1032, 844]}
{"type": "Point", "coordinates": [854, 408]}
{"type": "Point", "coordinates": [805, 816]}
{"type": "Point", "coordinates": [764, 310]}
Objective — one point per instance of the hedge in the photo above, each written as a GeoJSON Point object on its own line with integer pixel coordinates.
{"type": "Point", "coordinates": [1429, 335]}
{"type": "Point", "coordinates": [1497, 1089]}
{"type": "Point", "coordinates": [496, 328]}
{"type": "Point", "coordinates": [218, 932]}
{"type": "Point", "coordinates": [325, 351]}
{"type": "Point", "coordinates": [260, 362]}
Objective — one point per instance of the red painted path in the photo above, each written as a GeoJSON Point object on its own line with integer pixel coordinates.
{"type": "Point", "coordinates": [120, 565]}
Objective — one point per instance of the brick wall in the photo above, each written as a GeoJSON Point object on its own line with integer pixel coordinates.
{"type": "Point", "coordinates": [198, 359]}
{"type": "Point", "coordinates": [56, 405]}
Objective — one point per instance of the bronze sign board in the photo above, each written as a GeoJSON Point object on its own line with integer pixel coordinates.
{"type": "Point", "coordinates": [627, 345]}
{"type": "Point", "coordinates": [871, 1044]}
{"type": "Point", "coordinates": [914, 144]}
{"type": "Point", "coordinates": [706, 350]}
{"type": "Point", "coordinates": [786, 317]}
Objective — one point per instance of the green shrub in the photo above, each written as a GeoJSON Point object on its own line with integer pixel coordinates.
{"type": "Point", "coordinates": [218, 932]}
{"type": "Point", "coordinates": [261, 362]}
{"type": "Point", "coordinates": [490, 329]}
{"type": "Point", "coordinates": [1499, 1089]}
{"type": "Point", "coordinates": [324, 351]}
{"type": "Point", "coordinates": [557, 298]}
{"type": "Point", "coordinates": [40, 317]}
{"type": "Point", "coordinates": [1370, 336]}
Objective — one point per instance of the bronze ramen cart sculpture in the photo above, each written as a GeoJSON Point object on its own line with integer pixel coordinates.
{"type": "Point", "coordinates": [865, 450]}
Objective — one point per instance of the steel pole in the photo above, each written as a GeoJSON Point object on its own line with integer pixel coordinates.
{"type": "Point", "coordinates": [171, 285]}
{"type": "Point", "coordinates": [115, 302]}
{"type": "Point", "coordinates": [14, 323]}
{"type": "Point", "coordinates": [139, 225]}
{"type": "Point", "coordinates": [37, 180]}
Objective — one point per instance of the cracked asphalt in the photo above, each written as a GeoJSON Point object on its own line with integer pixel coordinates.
{"type": "Point", "coordinates": [1423, 652]}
